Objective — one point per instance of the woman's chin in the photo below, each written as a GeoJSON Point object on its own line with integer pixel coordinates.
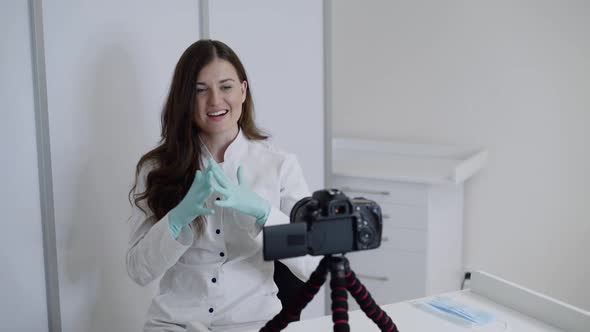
{"type": "Point", "coordinates": [217, 129]}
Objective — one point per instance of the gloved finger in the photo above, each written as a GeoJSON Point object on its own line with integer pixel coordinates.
{"type": "Point", "coordinates": [206, 212]}
{"type": "Point", "coordinates": [196, 180]}
{"type": "Point", "coordinates": [225, 203]}
{"type": "Point", "coordinates": [221, 178]}
{"type": "Point", "coordinates": [213, 164]}
{"type": "Point", "coordinates": [209, 176]}
{"type": "Point", "coordinates": [210, 167]}
{"type": "Point", "coordinates": [224, 192]}
{"type": "Point", "coordinates": [217, 170]}
{"type": "Point", "coordinates": [241, 176]}
{"type": "Point", "coordinates": [209, 190]}
{"type": "Point", "coordinates": [210, 183]}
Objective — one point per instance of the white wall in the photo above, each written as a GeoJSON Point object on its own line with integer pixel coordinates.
{"type": "Point", "coordinates": [22, 280]}
{"type": "Point", "coordinates": [513, 77]}
{"type": "Point", "coordinates": [109, 66]}
{"type": "Point", "coordinates": [281, 46]}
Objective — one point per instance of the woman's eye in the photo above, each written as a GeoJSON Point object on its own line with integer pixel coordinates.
{"type": "Point", "coordinates": [226, 87]}
{"type": "Point", "coordinates": [199, 90]}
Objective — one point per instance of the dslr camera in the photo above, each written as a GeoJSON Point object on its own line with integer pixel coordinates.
{"type": "Point", "coordinates": [326, 223]}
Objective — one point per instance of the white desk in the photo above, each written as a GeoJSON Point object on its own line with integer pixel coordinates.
{"type": "Point", "coordinates": [521, 309]}
{"type": "Point", "coordinates": [410, 318]}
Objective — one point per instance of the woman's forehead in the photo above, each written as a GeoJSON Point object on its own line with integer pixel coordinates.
{"type": "Point", "coordinates": [217, 70]}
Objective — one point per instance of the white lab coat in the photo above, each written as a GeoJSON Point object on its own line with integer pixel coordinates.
{"type": "Point", "coordinates": [219, 278]}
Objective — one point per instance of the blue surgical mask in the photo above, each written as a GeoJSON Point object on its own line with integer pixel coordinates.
{"type": "Point", "coordinates": [461, 314]}
{"type": "Point", "coordinates": [470, 315]}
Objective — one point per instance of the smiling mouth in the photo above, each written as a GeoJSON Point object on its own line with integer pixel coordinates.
{"type": "Point", "coordinates": [218, 113]}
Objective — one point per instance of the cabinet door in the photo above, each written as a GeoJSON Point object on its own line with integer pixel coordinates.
{"type": "Point", "coordinates": [389, 275]}
{"type": "Point", "coordinates": [402, 239]}
{"type": "Point", "coordinates": [403, 215]}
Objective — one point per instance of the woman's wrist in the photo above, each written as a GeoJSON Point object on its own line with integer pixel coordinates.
{"type": "Point", "coordinates": [261, 220]}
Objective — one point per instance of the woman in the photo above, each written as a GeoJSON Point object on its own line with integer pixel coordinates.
{"type": "Point", "coordinates": [202, 196]}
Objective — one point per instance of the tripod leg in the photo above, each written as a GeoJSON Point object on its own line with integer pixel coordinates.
{"type": "Point", "coordinates": [294, 305]}
{"type": "Point", "coordinates": [368, 305]}
{"type": "Point", "coordinates": [339, 302]}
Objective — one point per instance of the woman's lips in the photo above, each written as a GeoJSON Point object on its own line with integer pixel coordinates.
{"type": "Point", "coordinates": [217, 115]}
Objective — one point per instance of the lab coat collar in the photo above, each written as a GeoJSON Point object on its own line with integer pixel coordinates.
{"type": "Point", "coordinates": [236, 148]}
{"type": "Point", "coordinates": [233, 153]}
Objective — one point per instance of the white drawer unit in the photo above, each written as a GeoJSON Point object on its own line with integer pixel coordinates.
{"type": "Point", "coordinates": [388, 274]}
{"type": "Point", "coordinates": [420, 191]}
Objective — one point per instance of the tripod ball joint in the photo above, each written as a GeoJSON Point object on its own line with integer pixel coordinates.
{"type": "Point", "coordinates": [338, 265]}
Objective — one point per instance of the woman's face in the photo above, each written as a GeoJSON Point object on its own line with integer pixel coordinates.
{"type": "Point", "coordinates": [220, 96]}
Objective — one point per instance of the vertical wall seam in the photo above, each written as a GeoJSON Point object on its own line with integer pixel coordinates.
{"type": "Point", "coordinates": [204, 19]}
{"type": "Point", "coordinates": [44, 165]}
{"type": "Point", "coordinates": [327, 43]}
{"type": "Point", "coordinates": [327, 34]}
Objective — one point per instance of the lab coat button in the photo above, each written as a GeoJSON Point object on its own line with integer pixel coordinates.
{"type": "Point", "coordinates": [222, 254]}
{"type": "Point", "coordinates": [213, 280]}
{"type": "Point", "coordinates": [211, 310]}
{"type": "Point", "coordinates": [218, 198]}
{"type": "Point", "coordinates": [217, 231]}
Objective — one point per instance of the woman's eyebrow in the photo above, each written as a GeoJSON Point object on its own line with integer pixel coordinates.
{"type": "Point", "coordinates": [221, 81]}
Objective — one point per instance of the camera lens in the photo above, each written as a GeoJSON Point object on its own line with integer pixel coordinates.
{"type": "Point", "coordinates": [300, 212]}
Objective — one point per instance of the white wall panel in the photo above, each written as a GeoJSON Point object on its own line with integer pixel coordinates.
{"type": "Point", "coordinates": [22, 280]}
{"type": "Point", "coordinates": [109, 66]}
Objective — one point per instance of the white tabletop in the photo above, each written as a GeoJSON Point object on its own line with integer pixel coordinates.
{"type": "Point", "coordinates": [411, 318]}
{"type": "Point", "coordinates": [513, 308]}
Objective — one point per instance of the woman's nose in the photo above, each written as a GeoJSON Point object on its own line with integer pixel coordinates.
{"type": "Point", "coordinates": [214, 97]}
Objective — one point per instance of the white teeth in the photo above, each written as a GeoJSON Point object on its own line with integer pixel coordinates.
{"type": "Point", "coordinates": [217, 113]}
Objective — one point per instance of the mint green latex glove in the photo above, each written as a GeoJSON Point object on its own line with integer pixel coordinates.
{"type": "Point", "coordinates": [192, 205]}
{"type": "Point", "coordinates": [239, 197]}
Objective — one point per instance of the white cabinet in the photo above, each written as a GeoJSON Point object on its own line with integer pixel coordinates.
{"type": "Point", "coordinates": [420, 190]}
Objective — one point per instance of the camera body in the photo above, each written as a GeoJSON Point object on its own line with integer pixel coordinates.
{"type": "Point", "coordinates": [326, 223]}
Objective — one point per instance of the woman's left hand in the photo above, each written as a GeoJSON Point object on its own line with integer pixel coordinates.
{"type": "Point", "coordinates": [239, 197]}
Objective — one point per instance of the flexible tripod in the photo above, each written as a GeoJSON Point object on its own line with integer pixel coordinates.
{"type": "Point", "coordinates": [342, 279]}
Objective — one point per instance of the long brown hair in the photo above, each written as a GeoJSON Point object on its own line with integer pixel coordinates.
{"type": "Point", "coordinates": [176, 157]}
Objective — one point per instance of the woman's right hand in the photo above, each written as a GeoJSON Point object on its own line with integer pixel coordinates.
{"type": "Point", "coordinates": [192, 205]}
